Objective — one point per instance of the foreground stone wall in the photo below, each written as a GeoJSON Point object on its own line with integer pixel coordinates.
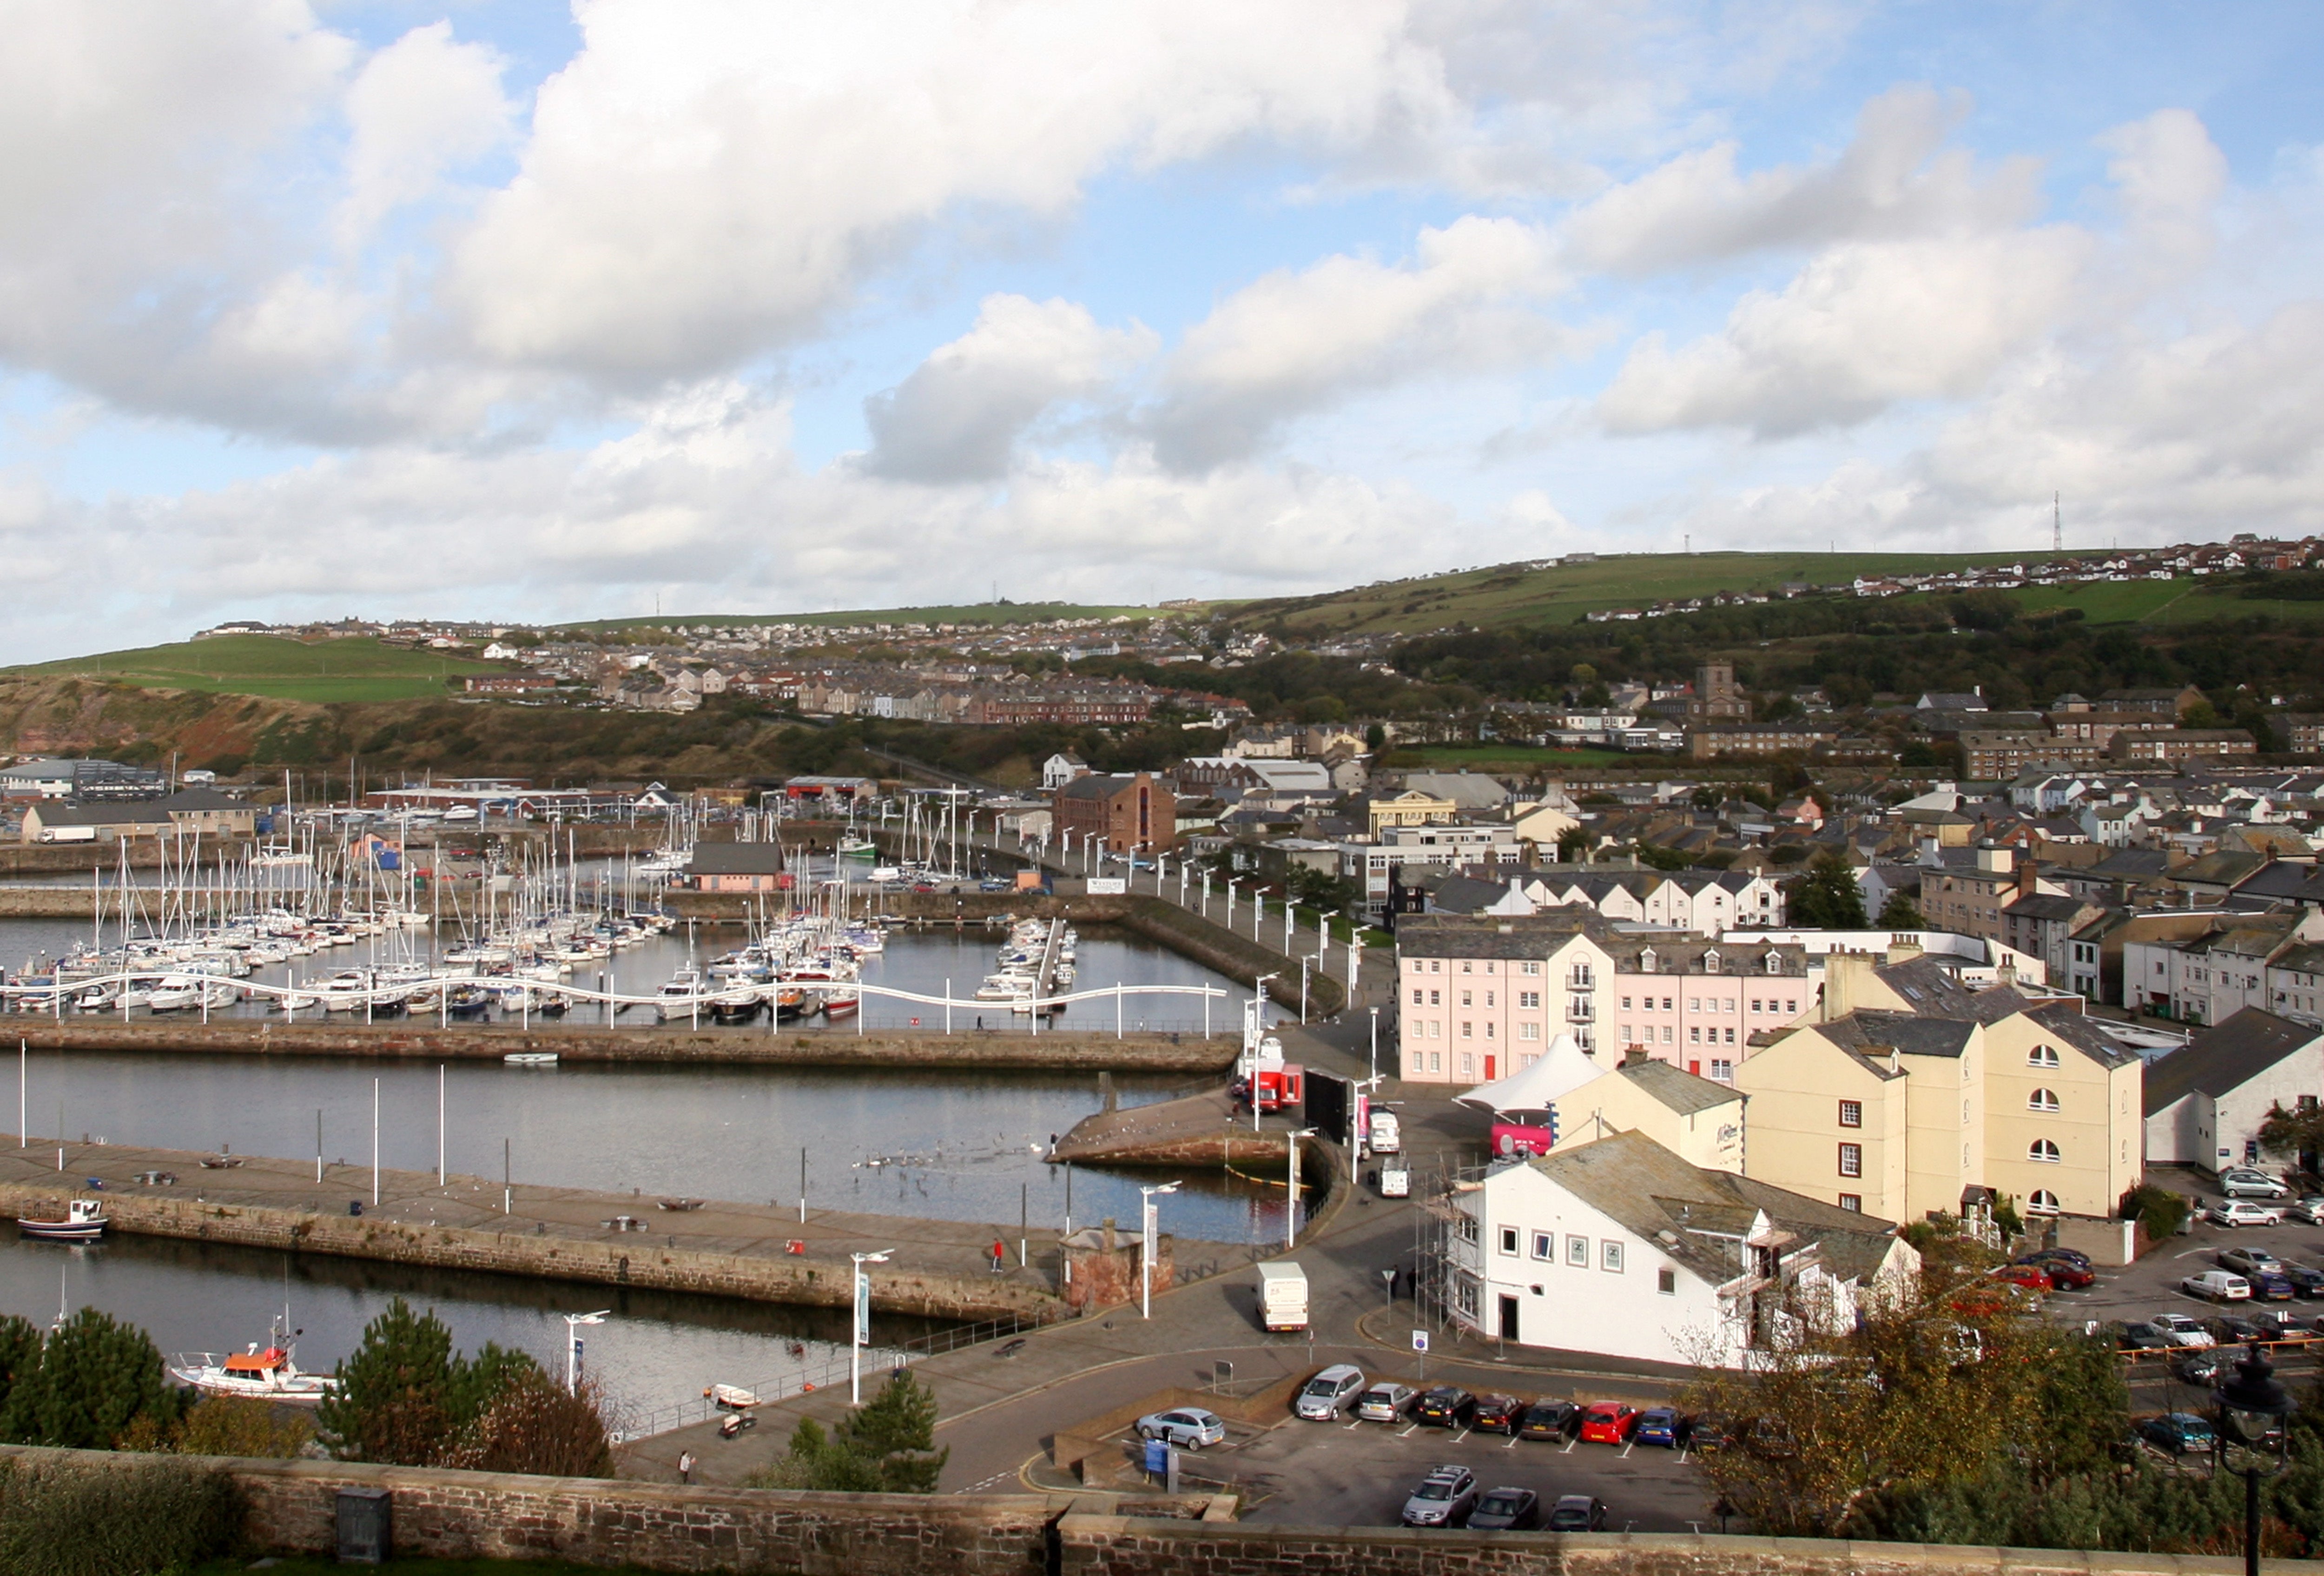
{"type": "Point", "coordinates": [752, 1278]}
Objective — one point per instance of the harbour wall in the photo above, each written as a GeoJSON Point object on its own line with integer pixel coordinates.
{"type": "Point", "coordinates": [966, 1050]}
{"type": "Point", "coordinates": [291, 1507]}
{"type": "Point", "coordinates": [752, 1278]}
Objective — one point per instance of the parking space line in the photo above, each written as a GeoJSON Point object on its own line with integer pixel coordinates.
{"type": "Point", "coordinates": [1407, 1431]}
{"type": "Point", "coordinates": [1462, 1435]}
{"type": "Point", "coordinates": [1570, 1444]}
{"type": "Point", "coordinates": [1512, 1444]}
{"type": "Point", "coordinates": [1627, 1446]}
{"type": "Point", "coordinates": [1359, 1423]}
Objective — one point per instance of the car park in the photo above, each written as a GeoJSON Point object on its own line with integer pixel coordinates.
{"type": "Point", "coordinates": [1506, 1510]}
{"type": "Point", "coordinates": [1551, 1418]}
{"type": "Point", "coordinates": [2176, 1433]}
{"type": "Point", "coordinates": [2245, 1261]}
{"type": "Point", "coordinates": [2237, 1212]}
{"type": "Point", "coordinates": [2242, 1181]}
{"type": "Point", "coordinates": [2142, 1337]}
{"type": "Point", "coordinates": [1187, 1427]}
{"type": "Point", "coordinates": [1443, 1498]}
{"type": "Point", "coordinates": [1498, 1414]}
{"type": "Point", "coordinates": [2181, 1330]}
{"type": "Point", "coordinates": [1578, 1513]}
{"type": "Point", "coordinates": [2216, 1285]}
{"type": "Point", "coordinates": [1323, 1397]}
{"type": "Point", "coordinates": [1385, 1402]}
{"type": "Point", "coordinates": [1607, 1423]}
{"type": "Point", "coordinates": [1445, 1406]}
{"type": "Point", "coordinates": [1662, 1425]}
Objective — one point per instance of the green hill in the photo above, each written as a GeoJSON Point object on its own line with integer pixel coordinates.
{"type": "Point", "coordinates": [274, 667]}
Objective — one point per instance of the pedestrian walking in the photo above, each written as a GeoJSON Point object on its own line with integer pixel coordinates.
{"type": "Point", "coordinates": [686, 1466]}
{"type": "Point", "coordinates": [1000, 1254]}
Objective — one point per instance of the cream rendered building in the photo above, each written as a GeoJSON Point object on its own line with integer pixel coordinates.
{"type": "Point", "coordinates": [1700, 1121]}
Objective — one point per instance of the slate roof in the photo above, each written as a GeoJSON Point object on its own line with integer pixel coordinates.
{"type": "Point", "coordinates": [1694, 1215]}
{"type": "Point", "coordinates": [1453, 936]}
{"type": "Point", "coordinates": [2225, 1058]}
{"type": "Point", "coordinates": [144, 812]}
{"type": "Point", "coordinates": [1905, 1032]}
{"type": "Point", "coordinates": [1679, 1090]}
{"type": "Point", "coordinates": [736, 859]}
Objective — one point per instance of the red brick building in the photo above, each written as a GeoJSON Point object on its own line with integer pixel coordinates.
{"type": "Point", "coordinates": [1130, 811]}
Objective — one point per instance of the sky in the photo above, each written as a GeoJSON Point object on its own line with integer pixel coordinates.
{"type": "Point", "coordinates": [485, 310]}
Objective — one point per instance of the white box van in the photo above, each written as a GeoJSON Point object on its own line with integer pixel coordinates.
{"type": "Point", "coordinates": [1386, 1135]}
{"type": "Point", "coordinates": [1283, 1296]}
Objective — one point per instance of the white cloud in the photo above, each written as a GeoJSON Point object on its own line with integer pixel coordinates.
{"type": "Point", "coordinates": [1289, 344]}
{"type": "Point", "coordinates": [421, 107]}
{"type": "Point", "coordinates": [958, 416]}
{"type": "Point", "coordinates": [1864, 326]}
{"type": "Point", "coordinates": [1893, 181]}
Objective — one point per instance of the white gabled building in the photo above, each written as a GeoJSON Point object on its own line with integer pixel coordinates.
{"type": "Point", "coordinates": [1621, 1248]}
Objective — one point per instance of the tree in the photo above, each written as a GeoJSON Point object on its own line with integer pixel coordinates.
{"type": "Point", "coordinates": [1900, 913]}
{"type": "Point", "coordinates": [817, 1461]}
{"type": "Point", "coordinates": [393, 1404]}
{"type": "Point", "coordinates": [2292, 1132]}
{"type": "Point", "coordinates": [896, 1432]}
{"type": "Point", "coordinates": [1827, 897]}
{"type": "Point", "coordinates": [1574, 844]}
{"type": "Point", "coordinates": [95, 1378]}
{"type": "Point", "coordinates": [531, 1425]}
{"type": "Point", "coordinates": [20, 1354]}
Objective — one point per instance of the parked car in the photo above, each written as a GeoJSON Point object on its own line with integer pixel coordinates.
{"type": "Point", "coordinates": [2305, 1282]}
{"type": "Point", "coordinates": [1661, 1425]}
{"type": "Point", "coordinates": [1445, 1406]}
{"type": "Point", "coordinates": [2217, 1285]}
{"type": "Point", "coordinates": [2247, 1260]}
{"type": "Point", "coordinates": [1444, 1496]}
{"type": "Point", "coordinates": [2071, 1255]}
{"type": "Point", "coordinates": [1323, 1397]}
{"type": "Point", "coordinates": [2310, 1210]}
{"type": "Point", "coordinates": [1187, 1427]}
{"type": "Point", "coordinates": [1385, 1402]}
{"type": "Point", "coordinates": [2182, 1329]}
{"type": "Point", "coordinates": [2205, 1365]}
{"type": "Point", "coordinates": [1707, 1435]}
{"type": "Point", "coordinates": [2234, 1329]}
{"type": "Point", "coordinates": [2032, 1278]}
{"type": "Point", "coordinates": [2239, 1211]}
{"type": "Point", "coordinates": [2243, 1182]}
{"type": "Point", "coordinates": [1607, 1423]}
{"type": "Point", "coordinates": [1578, 1513]}
{"type": "Point", "coordinates": [2140, 1337]}
{"type": "Point", "coordinates": [1506, 1510]}
{"type": "Point", "coordinates": [1551, 1418]}
{"type": "Point", "coordinates": [2280, 1323]}
{"type": "Point", "coordinates": [2271, 1286]}
{"type": "Point", "coordinates": [2176, 1433]}
{"type": "Point", "coordinates": [1498, 1414]}
{"type": "Point", "coordinates": [2064, 1273]}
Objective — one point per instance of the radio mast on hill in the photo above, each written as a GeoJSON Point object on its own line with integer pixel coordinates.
{"type": "Point", "coordinates": [2057, 526]}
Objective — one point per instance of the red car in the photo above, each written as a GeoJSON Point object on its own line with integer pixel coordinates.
{"type": "Point", "coordinates": [1609, 1423]}
{"type": "Point", "coordinates": [1498, 1414]}
{"type": "Point", "coordinates": [2064, 1274]}
{"type": "Point", "coordinates": [2034, 1278]}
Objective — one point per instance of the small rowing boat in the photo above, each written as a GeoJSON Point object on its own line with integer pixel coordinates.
{"type": "Point", "coordinates": [531, 1059]}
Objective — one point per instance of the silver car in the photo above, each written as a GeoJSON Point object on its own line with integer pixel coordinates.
{"type": "Point", "coordinates": [1323, 1397]}
{"type": "Point", "coordinates": [1444, 1496]}
{"type": "Point", "coordinates": [1187, 1427]}
{"type": "Point", "coordinates": [2181, 1331]}
{"type": "Point", "coordinates": [1385, 1402]}
{"type": "Point", "coordinates": [2243, 1182]}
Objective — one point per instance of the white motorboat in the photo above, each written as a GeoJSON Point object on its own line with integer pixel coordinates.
{"type": "Point", "coordinates": [85, 1221]}
{"type": "Point", "coordinates": [1006, 988]}
{"type": "Point", "coordinates": [267, 1374]}
{"type": "Point", "coordinates": [680, 995]}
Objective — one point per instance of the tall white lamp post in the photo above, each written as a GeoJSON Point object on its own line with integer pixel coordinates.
{"type": "Point", "coordinates": [1291, 1215]}
{"type": "Point", "coordinates": [861, 1336]}
{"type": "Point", "coordinates": [1146, 1251]}
{"type": "Point", "coordinates": [573, 1322]}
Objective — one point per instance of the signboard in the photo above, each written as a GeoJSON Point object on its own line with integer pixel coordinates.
{"type": "Point", "coordinates": [1420, 1340]}
{"type": "Point", "coordinates": [1157, 1455]}
{"type": "Point", "coordinates": [862, 1309]}
{"type": "Point", "coordinates": [1109, 886]}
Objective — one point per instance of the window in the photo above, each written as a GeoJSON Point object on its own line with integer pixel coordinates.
{"type": "Point", "coordinates": [1468, 1065]}
{"type": "Point", "coordinates": [1437, 998]}
{"type": "Point", "coordinates": [1666, 1282]}
{"type": "Point", "coordinates": [1730, 1035]}
{"type": "Point", "coordinates": [1436, 1029]}
{"type": "Point", "coordinates": [1435, 966]}
{"type": "Point", "coordinates": [1722, 1071]}
{"type": "Point", "coordinates": [1533, 998]}
{"type": "Point", "coordinates": [1488, 998]}
{"type": "Point", "coordinates": [1693, 1034]}
{"type": "Point", "coordinates": [1545, 1246]}
{"type": "Point", "coordinates": [1852, 1200]}
{"type": "Point", "coordinates": [1415, 995]}
{"type": "Point", "coordinates": [1627, 1039]}
{"type": "Point", "coordinates": [1467, 1029]}
{"type": "Point", "coordinates": [1468, 998]}
{"type": "Point", "coordinates": [1754, 1004]}
{"type": "Point", "coordinates": [1529, 968]}
{"type": "Point", "coordinates": [1528, 1031]}
{"type": "Point", "coordinates": [1710, 963]}
{"type": "Point", "coordinates": [1852, 1159]}
{"type": "Point", "coordinates": [1851, 1113]}
{"type": "Point", "coordinates": [1435, 1062]}
{"type": "Point", "coordinates": [1694, 1004]}
{"type": "Point", "coordinates": [1508, 1239]}
{"type": "Point", "coordinates": [2042, 1056]}
{"type": "Point", "coordinates": [1610, 1257]}
{"type": "Point", "coordinates": [2042, 1151]}
{"type": "Point", "coordinates": [1626, 1004]}
{"type": "Point", "coordinates": [1488, 1029]}
{"type": "Point", "coordinates": [1792, 1004]}
{"type": "Point", "coordinates": [1775, 960]}
{"type": "Point", "coordinates": [1577, 1252]}
{"type": "Point", "coordinates": [2043, 1203]}
{"type": "Point", "coordinates": [1417, 1062]}
{"type": "Point", "coordinates": [1666, 1004]}
{"type": "Point", "coordinates": [2042, 1100]}
{"type": "Point", "coordinates": [1467, 967]}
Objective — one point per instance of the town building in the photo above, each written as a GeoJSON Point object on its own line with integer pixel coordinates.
{"type": "Point", "coordinates": [2205, 1101]}
{"type": "Point", "coordinates": [50, 821]}
{"type": "Point", "coordinates": [1700, 1121]}
{"type": "Point", "coordinates": [1481, 999]}
{"type": "Point", "coordinates": [1131, 812]}
{"type": "Point", "coordinates": [736, 867]}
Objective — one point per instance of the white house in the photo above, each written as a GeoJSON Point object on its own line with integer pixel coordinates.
{"type": "Point", "coordinates": [1061, 768]}
{"type": "Point", "coordinates": [1621, 1248]}
{"type": "Point", "coordinates": [2205, 1101]}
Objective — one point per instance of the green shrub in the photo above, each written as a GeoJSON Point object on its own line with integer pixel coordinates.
{"type": "Point", "coordinates": [127, 1519]}
{"type": "Point", "coordinates": [2158, 1210]}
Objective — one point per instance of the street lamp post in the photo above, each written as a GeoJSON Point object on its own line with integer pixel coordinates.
{"type": "Point", "coordinates": [1146, 1248]}
{"type": "Point", "coordinates": [1307, 967]}
{"type": "Point", "coordinates": [573, 1322]}
{"type": "Point", "coordinates": [1291, 1209]}
{"type": "Point", "coordinates": [860, 1336]}
{"type": "Point", "coordinates": [1230, 890]}
{"type": "Point", "coordinates": [1375, 1065]}
{"type": "Point", "coordinates": [2252, 1408]}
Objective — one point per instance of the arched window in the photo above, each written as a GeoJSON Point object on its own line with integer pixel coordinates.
{"type": "Point", "coordinates": [2042, 1100]}
{"type": "Point", "coordinates": [2043, 1203]}
{"type": "Point", "coordinates": [2042, 1151]}
{"type": "Point", "coordinates": [2042, 1056]}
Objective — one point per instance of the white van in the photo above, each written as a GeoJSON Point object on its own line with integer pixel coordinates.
{"type": "Point", "coordinates": [1386, 1135]}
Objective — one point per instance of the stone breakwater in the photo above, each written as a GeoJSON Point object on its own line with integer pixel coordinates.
{"type": "Point", "coordinates": [1065, 1051]}
{"type": "Point", "coordinates": [755, 1277]}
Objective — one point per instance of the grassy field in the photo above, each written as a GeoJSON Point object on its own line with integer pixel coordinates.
{"type": "Point", "coordinates": [283, 669]}
{"type": "Point", "coordinates": [1514, 596]}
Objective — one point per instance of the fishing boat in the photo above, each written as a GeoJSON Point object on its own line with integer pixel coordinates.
{"type": "Point", "coordinates": [531, 1059]}
{"type": "Point", "coordinates": [83, 1221]}
{"type": "Point", "coordinates": [862, 848]}
{"type": "Point", "coordinates": [265, 1374]}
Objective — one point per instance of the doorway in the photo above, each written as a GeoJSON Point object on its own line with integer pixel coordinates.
{"type": "Point", "coordinates": [1509, 1318]}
